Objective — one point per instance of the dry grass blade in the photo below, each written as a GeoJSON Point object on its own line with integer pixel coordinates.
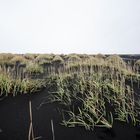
{"type": "Point", "coordinates": [31, 131]}
{"type": "Point", "coordinates": [52, 127]}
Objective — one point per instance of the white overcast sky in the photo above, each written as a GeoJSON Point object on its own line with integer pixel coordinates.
{"type": "Point", "coordinates": [70, 26]}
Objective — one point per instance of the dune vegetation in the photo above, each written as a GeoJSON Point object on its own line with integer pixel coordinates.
{"type": "Point", "coordinates": [94, 90]}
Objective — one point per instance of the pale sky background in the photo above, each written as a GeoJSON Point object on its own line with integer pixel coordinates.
{"type": "Point", "coordinates": [70, 26]}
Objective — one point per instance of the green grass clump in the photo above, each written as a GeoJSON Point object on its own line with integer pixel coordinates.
{"type": "Point", "coordinates": [138, 62]}
{"type": "Point", "coordinates": [137, 66]}
{"type": "Point", "coordinates": [57, 60]}
{"type": "Point", "coordinates": [115, 61]}
{"type": "Point", "coordinates": [25, 86]}
{"type": "Point", "coordinates": [5, 58]}
{"type": "Point", "coordinates": [18, 59]}
{"type": "Point", "coordinates": [73, 58]}
{"type": "Point", "coordinates": [44, 58]}
{"type": "Point", "coordinates": [5, 84]}
{"type": "Point", "coordinates": [100, 56]}
{"type": "Point", "coordinates": [11, 86]}
{"type": "Point", "coordinates": [30, 56]}
{"type": "Point", "coordinates": [34, 68]}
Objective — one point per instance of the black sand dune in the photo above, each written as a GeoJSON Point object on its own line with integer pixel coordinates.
{"type": "Point", "coordinates": [14, 122]}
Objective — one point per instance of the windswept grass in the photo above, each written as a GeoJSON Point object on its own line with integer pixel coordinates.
{"type": "Point", "coordinates": [11, 86]}
{"type": "Point", "coordinates": [96, 100]}
{"type": "Point", "coordinates": [92, 90]}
